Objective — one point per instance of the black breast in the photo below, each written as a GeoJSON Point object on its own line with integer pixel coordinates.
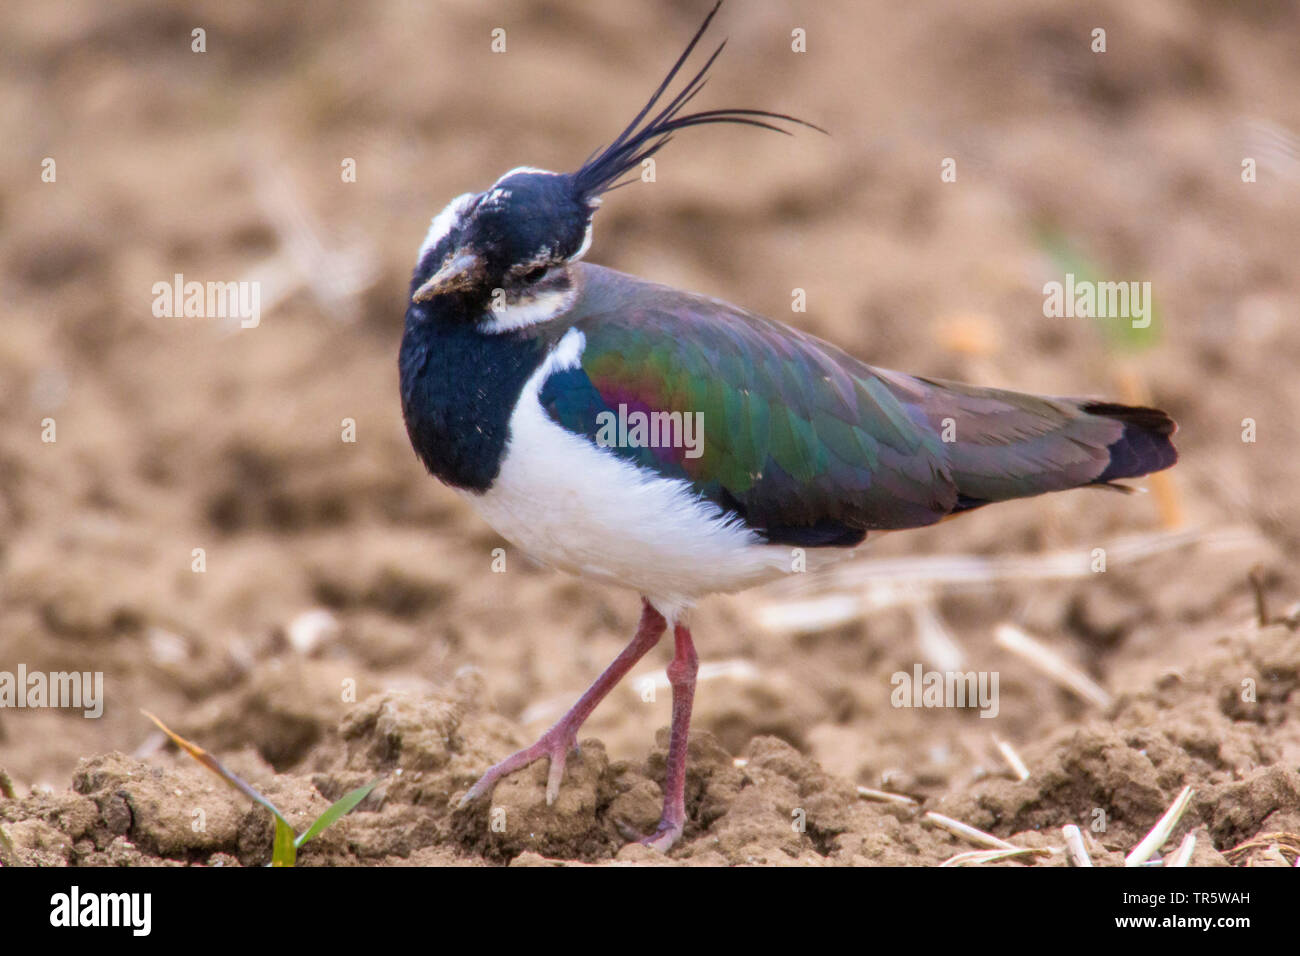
{"type": "Point", "coordinates": [459, 388]}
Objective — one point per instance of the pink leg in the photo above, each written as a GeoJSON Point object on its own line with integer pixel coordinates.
{"type": "Point", "coordinates": [681, 675]}
{"type": "Point", "coordinates": [557, 741]}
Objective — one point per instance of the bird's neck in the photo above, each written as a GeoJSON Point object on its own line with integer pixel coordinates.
{"type": "Point", "coordinates": [459, 388]}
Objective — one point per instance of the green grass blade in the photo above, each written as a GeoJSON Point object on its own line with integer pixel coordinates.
{"type": "Point", "coordinates": [8, 855]}
{"type": "Point", "coordinates": [286, 849]}
{"type": "Point", "coordinates": [215, 765]}
{"type": "Point", "coordinates": [338, 809]}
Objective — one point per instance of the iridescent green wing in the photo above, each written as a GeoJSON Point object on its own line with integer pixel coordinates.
{"type": "Point", "coordinates": [806, 444]}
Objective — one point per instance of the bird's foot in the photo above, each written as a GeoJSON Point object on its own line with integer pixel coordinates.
{"type": "Point", "coordinates": [663, 839]}
{"type": "Point", "coordinates": [665, 836]}
{"type": "Point", "coordinates": [555, 744]}
{"type": "Point", "coordinates": [557, 741]}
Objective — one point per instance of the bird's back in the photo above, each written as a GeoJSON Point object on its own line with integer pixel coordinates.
{"type": "Point", "coordinates": [809, 446]}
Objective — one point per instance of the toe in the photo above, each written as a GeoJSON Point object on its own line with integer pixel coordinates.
{"type": "Point", "coordinates": [664, 838]}
{"type": "Point", "coordinates": [555, 776]}
{"type": "Point", "coordinates": [482, 787]}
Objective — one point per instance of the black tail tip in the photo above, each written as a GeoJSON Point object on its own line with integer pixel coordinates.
{"type": "Point", "coordinates": [1144, 446]}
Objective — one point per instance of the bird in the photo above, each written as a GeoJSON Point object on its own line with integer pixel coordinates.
{"type": "Point", "coordinates": [680, 446]}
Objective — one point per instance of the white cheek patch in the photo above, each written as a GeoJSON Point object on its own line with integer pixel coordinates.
{"type": "Point", "coordinates": [446, 221]}
{"type": "Point", "coordinates": [529, 309]}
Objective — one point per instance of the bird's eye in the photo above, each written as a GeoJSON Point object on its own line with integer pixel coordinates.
{"type": "Point", "coordinates": [532, 275]}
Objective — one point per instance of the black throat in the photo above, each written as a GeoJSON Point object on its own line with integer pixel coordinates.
{"type": "Point", "coordinates": [459, 388]}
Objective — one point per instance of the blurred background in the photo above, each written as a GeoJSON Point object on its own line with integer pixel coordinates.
{"type": "Point", "coordinates": [327, 560]}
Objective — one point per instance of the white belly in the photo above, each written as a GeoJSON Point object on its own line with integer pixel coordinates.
{"type": "Point", "coordinates": [578, 507]}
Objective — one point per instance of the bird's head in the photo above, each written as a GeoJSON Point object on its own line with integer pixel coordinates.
{"type": "Point", "coordinates": [509, 246]}
{"type": "Point", "coordinates": [510, 237]}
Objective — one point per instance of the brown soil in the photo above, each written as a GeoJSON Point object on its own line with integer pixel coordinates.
{"type": "Point", "coordinates": [177, 434]}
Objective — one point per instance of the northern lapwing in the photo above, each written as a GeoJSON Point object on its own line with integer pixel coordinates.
{"type": "Point", "coordinates": [681, 446]}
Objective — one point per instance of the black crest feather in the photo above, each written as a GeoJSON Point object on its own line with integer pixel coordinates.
{"type": "Point", "coordinates": [643, 138]}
